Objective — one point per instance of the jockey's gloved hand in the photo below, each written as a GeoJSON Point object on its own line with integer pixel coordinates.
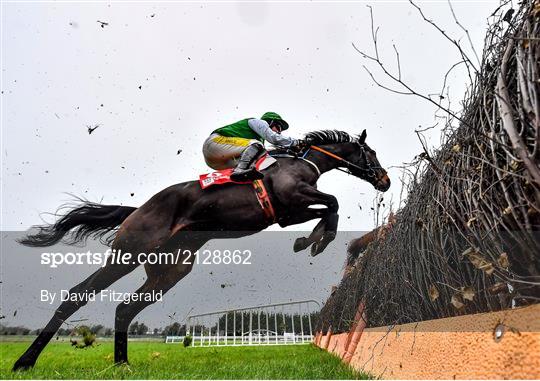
{"type": "Point", "coordinates": [298, 145]}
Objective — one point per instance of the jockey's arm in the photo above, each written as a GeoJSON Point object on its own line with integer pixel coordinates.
{"type": "Point", "coordinates": [262, 128]}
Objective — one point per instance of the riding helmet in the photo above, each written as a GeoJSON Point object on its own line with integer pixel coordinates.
{"type": "Point", "coordinates": [272, 116]}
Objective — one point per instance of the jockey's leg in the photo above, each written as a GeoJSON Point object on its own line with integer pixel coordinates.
{"type": "Point", "coordinates": [245, 169]}
{"type": "Point", "coordinates": [219, 155]}
{"type": "Point", "coordinates": [221, 152]}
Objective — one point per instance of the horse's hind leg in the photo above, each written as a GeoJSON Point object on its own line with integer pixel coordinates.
{"type": "Point", "coordinates": [126, 312]}
{"type": "Point", "coordinates": [96, 282]}
{"type": "Point", "coordinates": [147, 228]}
{"type": "Point", "coordinates": [161, 278]}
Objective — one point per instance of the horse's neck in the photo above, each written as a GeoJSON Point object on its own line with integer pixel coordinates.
{"type": "Point", "coordinates": [325, 162]}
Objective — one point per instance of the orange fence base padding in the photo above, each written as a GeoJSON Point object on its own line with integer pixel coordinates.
{"type": "Point", "coordinates": [463, 347]}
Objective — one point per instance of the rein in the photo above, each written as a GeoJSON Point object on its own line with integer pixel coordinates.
{"type": "Point", "coordinates": [369, 171]}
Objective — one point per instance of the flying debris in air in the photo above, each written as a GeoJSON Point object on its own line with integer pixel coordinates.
{"type": "Point", "coordinates": [103, 23]}
{"type": "Point", "coordinates": [77, 321]}
{"type": "Point", "coordinates": [179, 152]}
{"type": "Point", "coordinates": [91, 129]}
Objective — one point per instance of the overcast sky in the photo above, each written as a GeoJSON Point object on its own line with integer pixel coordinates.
{"type": "Point", "coordinates": [159, 77]}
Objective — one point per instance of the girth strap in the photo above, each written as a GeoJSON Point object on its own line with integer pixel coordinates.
{"type": "Point", "coordinates": [264, 200]}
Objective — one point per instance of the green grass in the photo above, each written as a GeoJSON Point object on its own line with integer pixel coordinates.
{"type": "Point", "coordinates": [155, 360]}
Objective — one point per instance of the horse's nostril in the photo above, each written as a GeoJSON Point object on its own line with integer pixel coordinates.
{"type": "Point", "coordinates": [383, 184]}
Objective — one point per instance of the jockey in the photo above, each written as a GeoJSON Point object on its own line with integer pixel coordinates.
{"type": "Point", "coordinates": [240, 144]}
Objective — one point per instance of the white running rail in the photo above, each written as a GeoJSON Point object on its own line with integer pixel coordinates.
{"type": "Point", "coordinates": [174, 339]}
{"type": "Point", "coordinates": [270, 324]}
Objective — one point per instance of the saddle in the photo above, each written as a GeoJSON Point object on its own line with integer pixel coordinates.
{"type": "Point", "coordinates": [224, 177]}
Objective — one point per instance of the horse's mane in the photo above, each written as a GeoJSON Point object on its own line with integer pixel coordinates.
{"type": "Point", "coordinates": [320, 137]}
{"type": "Point", "coordinates": [329, 137]}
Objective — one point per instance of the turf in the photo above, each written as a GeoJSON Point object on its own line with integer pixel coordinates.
{"type": "Point", "coordinates": [155, 360]}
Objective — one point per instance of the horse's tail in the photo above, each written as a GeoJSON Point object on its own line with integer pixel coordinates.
{"type": "Point", "coordinates": [82, 221]}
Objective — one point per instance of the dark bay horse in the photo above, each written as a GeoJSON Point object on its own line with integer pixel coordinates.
{"type": "Point", "coordinates": [186, 216]}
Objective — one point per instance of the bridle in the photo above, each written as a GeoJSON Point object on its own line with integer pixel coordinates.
{"type": "Point", "coordinates": [367, 172]}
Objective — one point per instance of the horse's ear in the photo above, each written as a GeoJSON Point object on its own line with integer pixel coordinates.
{"type": "Point", "coordinates": [362, 138]}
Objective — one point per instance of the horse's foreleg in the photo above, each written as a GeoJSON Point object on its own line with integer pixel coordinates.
{"type": "Point", "coordinates": [303, 243]}
{"type": "Point", "coordinates": [325, 231]}
{"type": "Point", "coordinates": [329, 222]}
{"type": "Point", "coordinates": [126, 312]}
{"type": "Point", "coordinates": [328, 235]}
{"type": "Point", "coordinates": [96, 282]}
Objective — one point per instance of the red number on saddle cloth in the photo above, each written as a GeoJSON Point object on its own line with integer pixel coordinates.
{"type": "Point", "coordinates": [218, 177]}
{"type": "Point", "coordinates": [224, 176]}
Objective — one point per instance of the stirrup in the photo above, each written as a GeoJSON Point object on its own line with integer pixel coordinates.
{"type": "Point", "coordinates": [246, 175]}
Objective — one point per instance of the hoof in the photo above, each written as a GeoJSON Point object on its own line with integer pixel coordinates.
{"type": "Point", "coordinates": [319, 247]}
{"type": "Point", "coordinates": [22, 365]}
{"type": "Point", "coordinates": [315, 249]}
{"type": "Point", "coordinates": [300, 244]}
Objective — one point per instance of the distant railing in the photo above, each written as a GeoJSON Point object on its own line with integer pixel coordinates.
{"type": "Point", "coordinates": [271, 324]}
{"type": "Point", "coordinates": [174, 339]}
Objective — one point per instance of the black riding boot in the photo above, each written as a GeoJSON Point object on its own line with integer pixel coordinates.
{"type": "Point", "coordinates": [245, 169]}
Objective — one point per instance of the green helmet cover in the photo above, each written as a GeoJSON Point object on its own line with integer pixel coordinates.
{"type": "Point", "coordinates": [272, 116]}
